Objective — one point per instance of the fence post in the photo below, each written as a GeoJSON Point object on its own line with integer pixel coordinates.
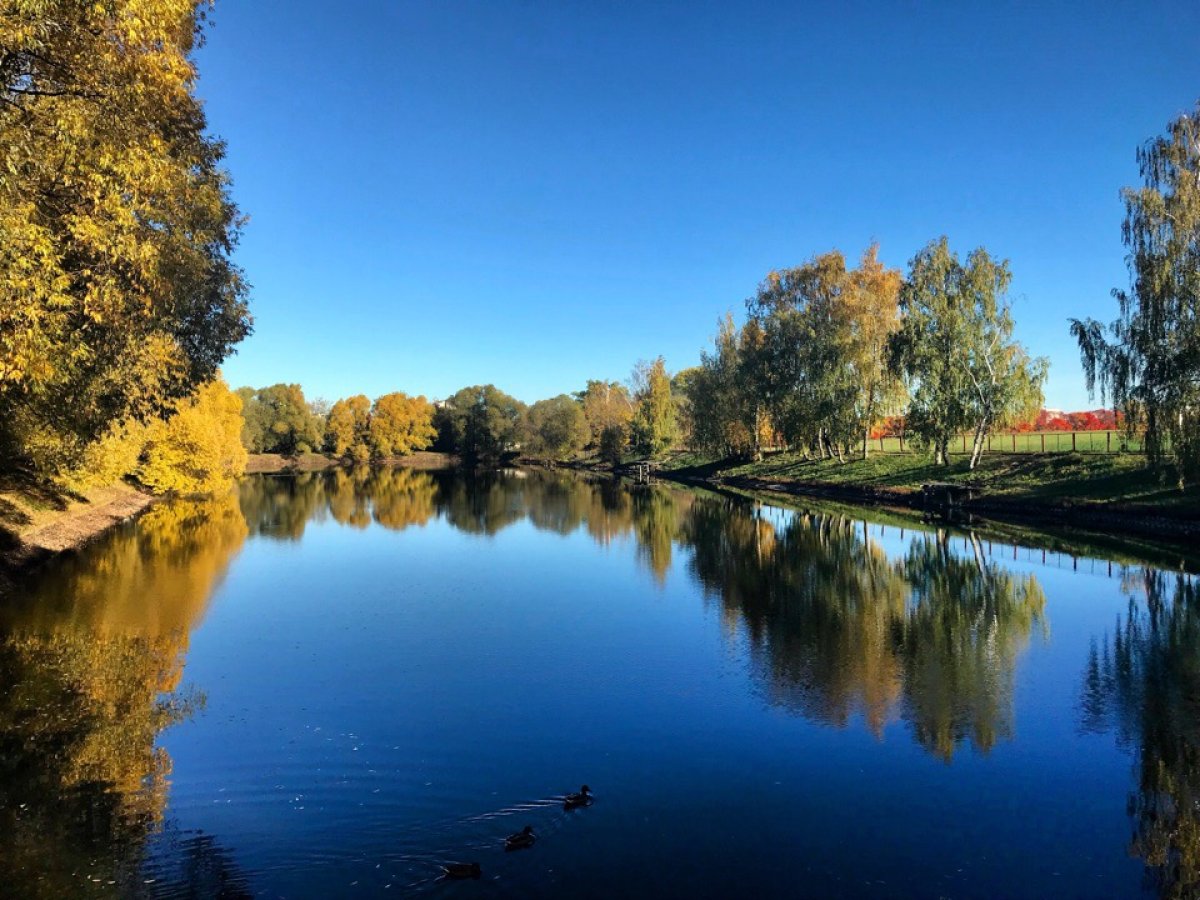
{"type": "Point", "coordinates": [1108, 441]}
{"type": "Point", "coordinates": [1014, 437]}
{"type": "Point", "coordinates": [964, 442]}
{"type": "Point", "coordinates": [1043, 443]}
{"type": "Point", "coordinates": [1072, 442]}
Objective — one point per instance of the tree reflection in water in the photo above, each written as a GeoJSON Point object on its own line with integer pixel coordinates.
{"type": "Point", "coordinates": [90, 659]}
{"type": "Point", "coordinates": [836, 628]}
{"type": "Point", "coordinates": [1143, 683]}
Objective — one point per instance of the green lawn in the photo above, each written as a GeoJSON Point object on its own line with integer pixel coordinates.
{"type": "Point", "coordinates": [1052, 477]}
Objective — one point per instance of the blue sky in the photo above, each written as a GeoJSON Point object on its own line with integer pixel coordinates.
{"type": "Point", "coordinates": [534, 194]}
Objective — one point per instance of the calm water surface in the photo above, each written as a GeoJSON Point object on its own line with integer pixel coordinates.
{"type": "Point", "coordinates": [329, 685]}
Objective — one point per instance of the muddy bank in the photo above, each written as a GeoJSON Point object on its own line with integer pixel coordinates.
{"type": "Point", "coordinates": [37, 528]}
{"type": "Point", "coordinates": [268, 463]}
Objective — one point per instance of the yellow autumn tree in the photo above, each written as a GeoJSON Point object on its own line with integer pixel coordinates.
{"type": "Point", "coordinates": [118, 294]}
{"type": "Point", "coordinates": [346, 428]}
{"type": "Point", "coordinates": [199, 449]}
{"type": "Point", "coordinates": [400, 425]}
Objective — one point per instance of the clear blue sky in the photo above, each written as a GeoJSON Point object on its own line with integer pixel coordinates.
{"type": "Point", "coordinates": [534, 194]}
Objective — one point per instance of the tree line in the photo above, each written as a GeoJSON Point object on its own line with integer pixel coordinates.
{"type": "Point", "coordinates": [119, 300]}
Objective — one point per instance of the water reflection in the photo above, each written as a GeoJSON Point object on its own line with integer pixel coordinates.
{"type": "Point", "coordinates": [90, 659]}
{"type": "Point", "coordinates": [837, 628]}
{"type": "Point", "coordinates": [1143, 683]}
{"type": "Point", "coordinates": [925, 631]}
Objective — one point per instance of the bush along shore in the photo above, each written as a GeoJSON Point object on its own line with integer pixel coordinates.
{"type": "Point", "coordinates": [1101, 493]}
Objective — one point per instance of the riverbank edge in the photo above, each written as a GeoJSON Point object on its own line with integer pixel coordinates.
{"type": "Point", "coordinates": [70, 529]}
{"type": "Point", "coordinates": [278, 464]}
{"type": "Point", "coordinates": [84, 519]}
{"type": "Point", "coordinates": [1109, 519]}
{"type": "Point", "coordinates": [1097, 518]}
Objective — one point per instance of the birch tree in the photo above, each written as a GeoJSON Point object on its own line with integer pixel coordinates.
{"type": "Point", "coordinates": [1148, 360]}
{"type": "Point", "coordinates": [955, 349]}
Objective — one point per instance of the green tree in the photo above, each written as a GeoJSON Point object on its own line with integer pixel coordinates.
{"type": "Point", "coordinates": [1149, 362]}
{"type": "Point", "coordinates": [613, 440]}
{"type": "Point", "coordinates": [118, 294]}
{"type": "Point", "coordinates": [653, 427]}
{"type": "Point", "coordinates": [727, 412]}
{"type": "Point", "coordinates": [805, 372]}
{"type": "Point", "coordinates": [400, 425]}
{"type": "Point", "coordinates": [557, 427]}
{"type": "Point", "coordinates": [481, 423]}
{"type": "Point", "coordinates": [278, 420]}
{"type": "Point", "coordinates": [955, 348]}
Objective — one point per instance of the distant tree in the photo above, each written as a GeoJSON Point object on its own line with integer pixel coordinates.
{"type": "Point", "coordinates": [605, 403]}
{"type": "Point", "coordinates": [653, 429]}
{"type": "Point", "coordinates": [256, 425]}
{"type": "Point", "coordinates": [955, 348]}
{"type": "Point", "coordinates": [346, 428]}
{"type": "Point", "coordinates": [278, 420]}
{"type": "Point", "coordinates": [682, 390]}
{"type": "Point", "coordinates": [1148, 360]}
{"type": "Point", "coordinates": [557, 427]}
{"type": "Point", "coordinates": [871, 315]}
{"type": "Point", "coordinates": [400, 425]}
{"type": "Point", "coordinates": [320, 407]}
{"type": "Point", "coordinates": [482, 423]}
{"type": "Point", "coordinates": [198, 450]}
{"type": "Point", "coordinates": [613, 441]}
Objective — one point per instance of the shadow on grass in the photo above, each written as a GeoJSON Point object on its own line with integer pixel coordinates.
{"type": "Point", "coordinates": [33, 492]}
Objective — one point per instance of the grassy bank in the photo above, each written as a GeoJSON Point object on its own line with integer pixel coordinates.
{"type": "Point", "coordinates": [1114, 492]}
{"type": "Point", "coordinates": [38, 519]}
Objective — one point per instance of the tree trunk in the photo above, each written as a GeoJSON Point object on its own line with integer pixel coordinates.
{"type": "Point", "coordinates": [977, 447]}
{"type": "Point", "coordinates": [940, 457]}
{"type": "Point", "coordinates": [866, 442]}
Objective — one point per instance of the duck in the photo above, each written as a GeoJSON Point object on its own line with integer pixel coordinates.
{"type": "Point", "coordinates": [461, 870]}
{"type": "Point", "coordinates": [522, 839]}
{"type": "Point", "coordinates": [583, 798]}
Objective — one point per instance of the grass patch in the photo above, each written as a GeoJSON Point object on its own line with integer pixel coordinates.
{"type": "Point", "coordinates": [1059, 478]}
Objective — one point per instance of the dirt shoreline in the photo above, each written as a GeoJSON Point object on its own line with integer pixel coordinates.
{"type": "Point", "coordinates": [275, 463]}
{"type": "Point", "coordinates": [68, 529]}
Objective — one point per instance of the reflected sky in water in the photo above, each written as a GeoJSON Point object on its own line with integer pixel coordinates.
{"type": "Point", "coordinates": [331, 684]}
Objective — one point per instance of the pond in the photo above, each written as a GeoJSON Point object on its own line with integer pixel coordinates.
{"type": "Point", "coordinates": [334, 684]}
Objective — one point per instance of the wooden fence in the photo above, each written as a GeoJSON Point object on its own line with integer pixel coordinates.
{"type": "Point", "coordinates": [1116, 441]}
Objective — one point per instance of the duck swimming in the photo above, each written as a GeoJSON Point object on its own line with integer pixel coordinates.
{"type": "Point", "coordinates": [461, 870]}
{"type": "Point", "coordinates": [583, 798]}
{"type": "Point", "coordinates": [521, 839]}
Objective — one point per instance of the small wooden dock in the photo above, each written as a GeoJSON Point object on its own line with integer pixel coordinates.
{"type": "Point", "coordinates": [644, 471]}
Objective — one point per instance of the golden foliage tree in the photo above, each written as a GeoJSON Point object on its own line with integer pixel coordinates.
{"type": "Point", "coordinates": [199, 449]}
{"type": "Point", "coordinates": [346, 427]}
{"type": "Point", "coordinates": [400, 425]}
{"type": "Point", "coordinates": [117, 292]}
